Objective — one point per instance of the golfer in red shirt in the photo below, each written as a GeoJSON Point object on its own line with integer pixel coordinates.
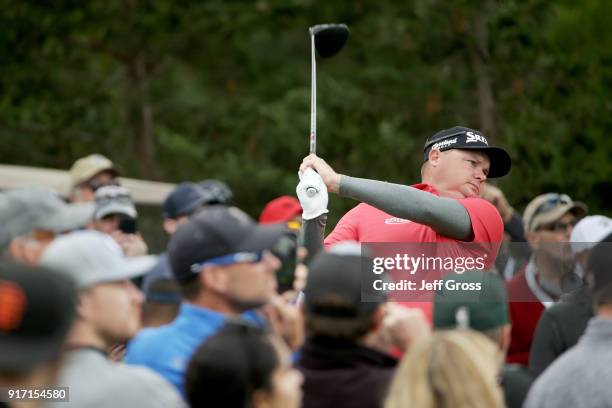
{"type": "Point", "coordinates": [445, 207]}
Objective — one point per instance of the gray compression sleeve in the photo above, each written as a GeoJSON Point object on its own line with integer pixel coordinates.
{"type": "Point", "coordinates": [445, 215]}
{"type": "Point", "coordinates": [312, 235]}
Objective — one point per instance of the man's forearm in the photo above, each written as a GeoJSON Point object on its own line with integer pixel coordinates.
{"type": "Point", "coordinates": [514, 227]}
{"type": "Point", "coordinates": [312, 236]}
{"type": "Point", "coordinates": [445, 215]}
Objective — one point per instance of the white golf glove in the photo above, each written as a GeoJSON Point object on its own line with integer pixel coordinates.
{"type": "Point", "coordinates": [312, 192]}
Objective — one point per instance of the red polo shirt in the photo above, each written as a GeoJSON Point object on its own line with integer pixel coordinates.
{"type": "Point", "coordinates": [365, 223]}
{"type": "Point", "coordinates": [525, 312]}
{"type": "Point", "coordinates": [368, 224]}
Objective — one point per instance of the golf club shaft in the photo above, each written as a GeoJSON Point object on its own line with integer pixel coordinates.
{"type": "Point", "coordinates": [313, 97]}
{"type": "Point", "coordinates": [311, 191]}
{"type": "Point", "coordinates": [333, 38]}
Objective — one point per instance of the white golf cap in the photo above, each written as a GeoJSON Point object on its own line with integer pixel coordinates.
{"type": "Point", "coordinates": [91, 257]}
{"type": "Point", "coordinates": [589, 232]}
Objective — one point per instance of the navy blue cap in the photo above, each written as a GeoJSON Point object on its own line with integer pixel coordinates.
{"type": "Point", "coordinates": [184, 200]}
{"type": "Point", "coordinates": [216, 231]}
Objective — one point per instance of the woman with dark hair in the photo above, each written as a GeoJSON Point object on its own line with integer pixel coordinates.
{"type": "Point", "coordinates": [243, 366]}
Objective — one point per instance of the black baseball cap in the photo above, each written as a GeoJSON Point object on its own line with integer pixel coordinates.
{"type": "Point", "coordinates": [460, 137]}
{"type": "Point", "coordinates": [37, 307]}
{"type": "Point", "coordinates": [215, 232]}
{"type": "Point", "coordinates": [334, 284]}
{"type": "Point", "coordinates": [183, 200]}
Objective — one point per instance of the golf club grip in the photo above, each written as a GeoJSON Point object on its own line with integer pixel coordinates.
{"type": "Point", "coordinates": [313, 143]}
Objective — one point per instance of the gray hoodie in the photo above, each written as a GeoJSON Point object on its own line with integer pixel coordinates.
{"type": "Point", "coordinates": [581, 377]}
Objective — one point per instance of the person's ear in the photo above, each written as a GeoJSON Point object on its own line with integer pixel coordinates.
{"type": "Point", "coordinates": [25, 252]}
{"type": "Point", "coordinates": [214, 278]}
{"type": "Point", "coordinates": [434, 157]}
{"type": "Point", "coordinates": [16, 249]}
{"type": "Point", "coordinates": [504, 338]}
{"type": "Point", "coordinates": [170, 226]}
{"type": "Point", "coordinates": [85, 305]}
{"type": "Point", "coordinates": [533, 237]}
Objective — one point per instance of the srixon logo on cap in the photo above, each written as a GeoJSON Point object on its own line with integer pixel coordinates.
{"type": "Point", "coordinates": [12, 306]}
{"type": "Point", "coordinates": [474, 137]}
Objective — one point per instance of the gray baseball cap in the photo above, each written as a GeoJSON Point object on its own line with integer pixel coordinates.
{"type": "Point", "coordinates": [25, 210]}
{"type": "Point", "coordinates": [91, 257]}
{"type": "Point", "coordinates": [114, 200]}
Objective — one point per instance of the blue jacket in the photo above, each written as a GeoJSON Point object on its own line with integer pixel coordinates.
{"type": "Point", "coordinates": [168, 349]}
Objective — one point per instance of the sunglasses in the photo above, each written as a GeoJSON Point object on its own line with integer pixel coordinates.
{"type": "Point", "coordinates": [552, 201]}
{"type": "Point", "coordinates": [559, 226]}
{"type": "Point", "coordinates": [238, 257]}
{"type": "Point", "coordinates": [96, 184]}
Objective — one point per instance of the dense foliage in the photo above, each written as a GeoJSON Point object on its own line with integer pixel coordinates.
{"type": "Point", "coordinates": [220, 89]}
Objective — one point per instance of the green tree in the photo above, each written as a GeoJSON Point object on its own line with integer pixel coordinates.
{"type": "Point", "coordinates": [220, 89]}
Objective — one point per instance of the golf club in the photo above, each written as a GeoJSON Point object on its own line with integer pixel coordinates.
{"type": "Point", "coordinates": [327, 40]}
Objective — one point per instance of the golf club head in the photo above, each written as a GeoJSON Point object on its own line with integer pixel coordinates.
{"type": "Point", "coordinates": [329, 38]}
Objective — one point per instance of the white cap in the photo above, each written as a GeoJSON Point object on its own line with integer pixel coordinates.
{"type": "Point", "coordinates": [91, 257]}
{"type": "Point", "coordinates": [589, 232]}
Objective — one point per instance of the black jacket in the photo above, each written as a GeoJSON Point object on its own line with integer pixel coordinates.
{"type": "Point", "coordinates": [516, 382]}
{"type": "Point", "coordinates": [341, 373]}
{"type": "Point", "coordinates": [559, 328]}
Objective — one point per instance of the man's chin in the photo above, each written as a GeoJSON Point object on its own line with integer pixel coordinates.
{"type": "Point", "coordinates": [471, 191]}
{"type": "Point", "coordinates": [561, 256]}
{"type": "Point", "coordinates": [241, 305]}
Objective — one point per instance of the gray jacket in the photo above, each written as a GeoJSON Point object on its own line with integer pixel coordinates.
{"type": "Point", "coordinates": [580, 378]}
{"type": "Point", "coordinates": [95, 381]}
